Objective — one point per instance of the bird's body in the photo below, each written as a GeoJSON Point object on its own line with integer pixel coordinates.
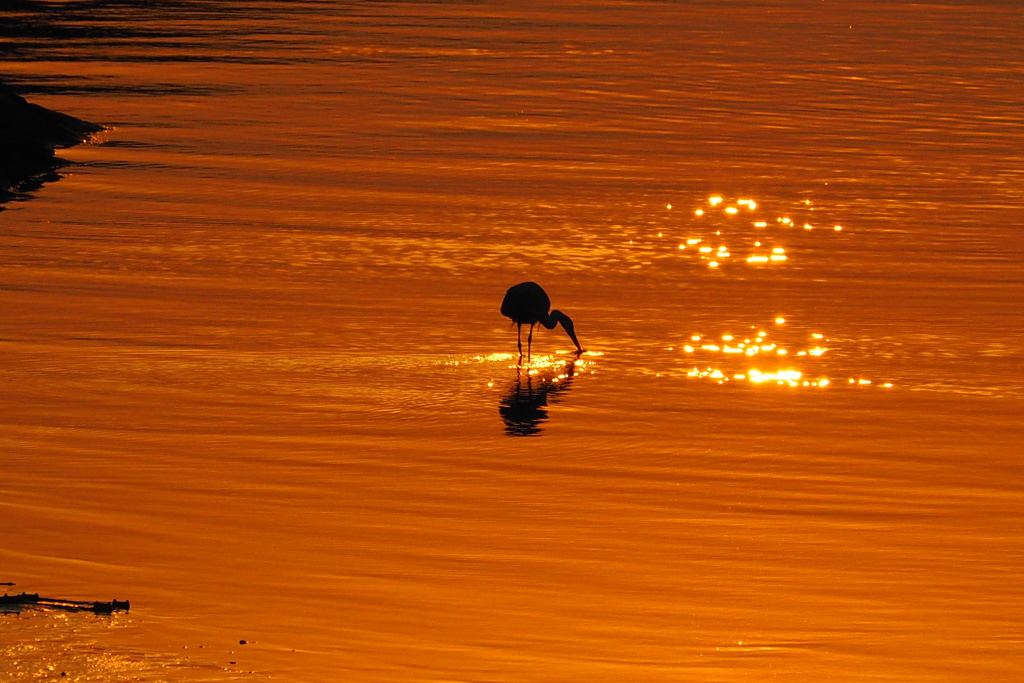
{"type": "Point", "coordinates": [527, 304]}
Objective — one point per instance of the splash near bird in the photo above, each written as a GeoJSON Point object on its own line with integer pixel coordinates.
{"type": "Point", "coordinates": [527, 304]}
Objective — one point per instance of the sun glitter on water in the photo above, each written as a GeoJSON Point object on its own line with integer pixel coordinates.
{"type": "Point", "coordinates": [546, 367]}
{"type": "Point", "coordinates": [723, 232]}
{"type": "Point", "coordinates": [761, 357]}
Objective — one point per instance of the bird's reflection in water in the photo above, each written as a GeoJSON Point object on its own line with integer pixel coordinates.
{"type": "Point", "coordinates": [523, 408]}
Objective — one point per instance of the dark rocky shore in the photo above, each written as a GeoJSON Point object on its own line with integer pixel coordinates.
{"type": "Point", "coordinates": [29, 134]}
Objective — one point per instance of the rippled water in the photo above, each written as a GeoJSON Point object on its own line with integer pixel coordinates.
{"type": "Point", "coordinates": [254, 377]}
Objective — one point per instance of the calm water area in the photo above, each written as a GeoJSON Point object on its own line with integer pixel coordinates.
{"type": "Point", "coordinates": [254, 378]}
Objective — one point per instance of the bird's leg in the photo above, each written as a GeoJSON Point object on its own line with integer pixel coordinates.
{"type": "Point", "coordinates": [529, 343]}
{"type": "Point", "coordinates": [519, 340]}
{"type": "Point", "coordinates": [557, 317]}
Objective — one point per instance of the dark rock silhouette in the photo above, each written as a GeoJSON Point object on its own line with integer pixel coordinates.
{"type": "Point", "coordinates": [29, 134]}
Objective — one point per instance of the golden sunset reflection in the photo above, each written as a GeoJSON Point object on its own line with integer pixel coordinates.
{"type": "Point", "coordinates": [546, 367]}
{"type": "Point", "coordinates": [256, 379]}
{"type": "Point", "coordinates": [740, 230]}
{"type": "Point", "coordinates": [779, 358]}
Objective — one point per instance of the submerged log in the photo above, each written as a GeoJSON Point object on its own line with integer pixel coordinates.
{"type": "Point", "coordinates": [29, 134]}
{"type": "Point", "coordinates": [34, 600]}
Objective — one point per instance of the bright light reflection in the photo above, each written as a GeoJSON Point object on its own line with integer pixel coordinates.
{"type": "Point", "coordinates": [491, 358]}
{"type": "Point", "coordinates": [798, 215]}
{"type": "Point", "coordinates": [540, 365]}
{"type": "Point", "coordinates": [733, 360]}
{"type": "Point", "coordinates": [780, 376]}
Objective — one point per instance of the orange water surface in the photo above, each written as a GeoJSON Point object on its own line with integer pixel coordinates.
{"type": "Point", "coordinates": [253, 376]}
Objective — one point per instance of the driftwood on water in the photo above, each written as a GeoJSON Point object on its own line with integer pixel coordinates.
{"type": "Point", "coordinates": [35, 600]}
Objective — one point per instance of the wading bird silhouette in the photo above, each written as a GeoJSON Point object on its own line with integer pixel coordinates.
{"type": "Point", "coordinates": [527, 304]}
